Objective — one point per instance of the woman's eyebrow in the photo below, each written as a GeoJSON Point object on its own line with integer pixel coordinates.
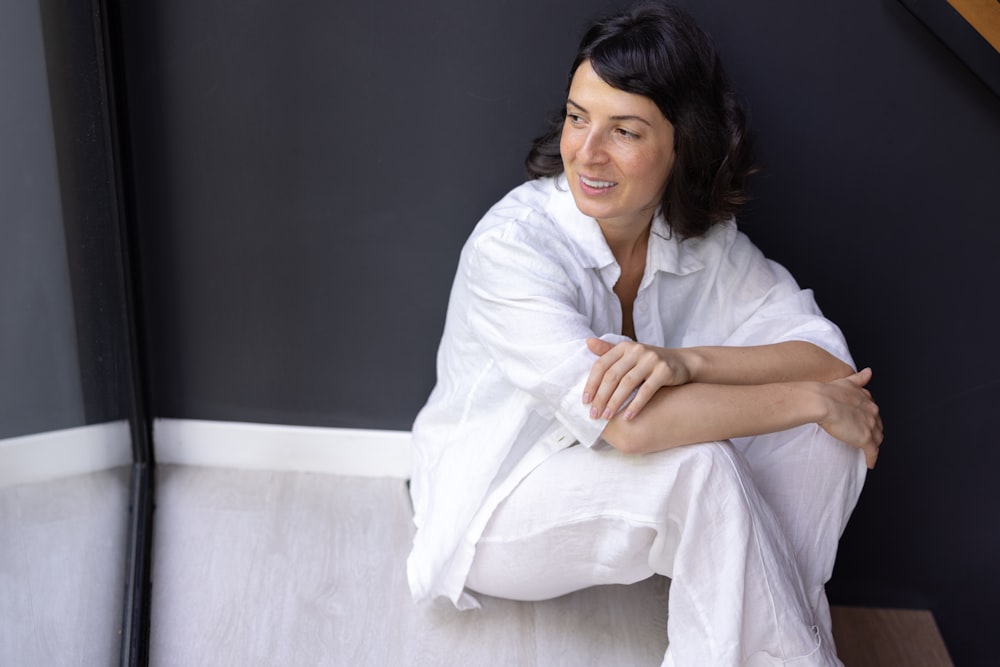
{"type": "Point", "coordinates": [625, 117]}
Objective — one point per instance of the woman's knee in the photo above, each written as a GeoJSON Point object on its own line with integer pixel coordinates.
{"type": "Point", "coordinates": [713, 479]}
{"type": "Point", "coordinates": [806, 455]}
{"type": "Point", "coordinates": [716, 465]}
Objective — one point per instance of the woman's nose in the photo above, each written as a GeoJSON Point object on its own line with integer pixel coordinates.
{"type": "Point", "coordinates": [592, 148]}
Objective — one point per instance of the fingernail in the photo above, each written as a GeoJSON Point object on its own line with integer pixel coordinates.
{"type": "Point", "coordinates": [593, 413]}
{"type": "Point", "coordinates": [586, 398]}
{"type": "Point", "coordinates": [628, 415]}
{"type": "Point", "coordinates": [607, 413]}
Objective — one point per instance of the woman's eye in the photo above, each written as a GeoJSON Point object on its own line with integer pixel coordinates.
{"type": "Point", "coordinates": [626, 134]}
{"type": "Point", "coordinates": [574, 118]}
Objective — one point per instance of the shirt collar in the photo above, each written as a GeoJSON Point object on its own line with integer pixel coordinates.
{"type": "Point", "coordinates": [588, 242]}
{"type": "Point", "coordinates": [666, 252]}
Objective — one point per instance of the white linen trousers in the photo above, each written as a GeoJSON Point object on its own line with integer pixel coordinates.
{"type": "Point", "coordinates": [747, 531]}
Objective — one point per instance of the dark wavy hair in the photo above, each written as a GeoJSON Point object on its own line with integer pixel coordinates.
{"type": "Point", "coordinates": [658, 51]}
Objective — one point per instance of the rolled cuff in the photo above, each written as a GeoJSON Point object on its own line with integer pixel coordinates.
{"type": "Point", "coordinates": [574, 415]}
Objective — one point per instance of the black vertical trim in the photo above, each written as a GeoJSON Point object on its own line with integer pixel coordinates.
{"type": "Point", "coordinates": [138, 576]}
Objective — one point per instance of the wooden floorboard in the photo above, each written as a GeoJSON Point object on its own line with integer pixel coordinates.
{"type": "Point", "coordinates": [256, 568]}
{"type": "Point", "coordinates": [888, 638]}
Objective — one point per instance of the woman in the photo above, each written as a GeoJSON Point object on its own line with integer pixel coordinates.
{"type": "Point", "coordinates": [626, 386]}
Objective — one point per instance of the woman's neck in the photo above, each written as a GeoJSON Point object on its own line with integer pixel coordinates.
{"type": "Point", "coordinates": [627, 245]}
{"type": "Point", "coordinates": [629, 250]}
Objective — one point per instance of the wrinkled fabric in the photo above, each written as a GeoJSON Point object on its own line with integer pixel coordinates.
{"type": "Point", "coordinates": [534, 281]}
{"type": "Point", "coordinates": [746, 579]}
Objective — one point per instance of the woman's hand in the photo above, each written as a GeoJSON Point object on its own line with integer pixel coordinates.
{"type": "Point", "coordinates": [851, 415]}
{"type": "Point", "coordinates": [626, 367]}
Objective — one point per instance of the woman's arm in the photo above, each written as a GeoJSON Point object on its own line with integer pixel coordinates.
{"type": "Point", "coordinates": [634, 367]}
{"type": "Point", "coordinates": [698, 412]}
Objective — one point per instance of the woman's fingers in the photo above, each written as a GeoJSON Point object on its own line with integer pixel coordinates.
{"type": "Point", "coordinates": [607, 355]}
{"type": "Point", "coordinates": [612, 378]}
{"type": "Point", "coordinates": [642, 396]}
{"type": "Point", "coordinates": [625, 369]}
{"type": "Point", "coordinates": [616, 384]}
{"type": "Point", "coordinates": [623, 389]}
{"type": "Point", "coordinates": [861, 378]}
{"type": "Point", "coordinates": [598, 346]}
{"type": "Point", "coordinates": [854, 417]}
{"type": "Point", "coordinates": [871, 454]}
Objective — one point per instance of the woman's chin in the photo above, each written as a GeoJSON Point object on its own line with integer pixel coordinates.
{"type": "Point", "coordinates": [586, 205]}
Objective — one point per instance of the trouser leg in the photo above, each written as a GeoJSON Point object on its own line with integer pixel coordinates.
{"type": "Point", "coordinates": [812, 483]}
{"type": "Point", "coordinates": [587, 517]}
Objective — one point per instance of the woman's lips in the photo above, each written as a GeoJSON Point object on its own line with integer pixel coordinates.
{"type": "Point", "coordinates": [595, 185]}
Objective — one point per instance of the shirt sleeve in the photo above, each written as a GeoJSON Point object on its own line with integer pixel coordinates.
{"type": "Point", "coordinates": [768, 304]}
{"type": "Point", "coordinates": [525, 310]}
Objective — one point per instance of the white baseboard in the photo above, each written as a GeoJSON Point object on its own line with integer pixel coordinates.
{"type": "Point", "coordinates": [73, 451]}
{"type": "Point", "coordinates": [360, 452]}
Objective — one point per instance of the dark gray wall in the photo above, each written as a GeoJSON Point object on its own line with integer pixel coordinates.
{"type": "Point", "coordinates": [306, 173]}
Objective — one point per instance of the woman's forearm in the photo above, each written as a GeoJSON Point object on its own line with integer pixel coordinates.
{"type": "Point", "coordinates": [790, 361]}
{"type": "Point", "coordinates": [631, 367]}
{"type": "Point", "coordinates": [699, 412]}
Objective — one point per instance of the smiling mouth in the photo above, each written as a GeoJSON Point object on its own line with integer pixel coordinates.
{"type": "Point", "coordinates": [594, 183]}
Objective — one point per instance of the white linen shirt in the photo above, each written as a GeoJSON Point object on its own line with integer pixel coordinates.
{"type": "Point", "coordinates": [534, 281]}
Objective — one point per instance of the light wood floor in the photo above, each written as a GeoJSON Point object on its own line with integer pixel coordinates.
{"type": "Point", "coordinates": [62, 570]}
{"type": "Point", "coordinates": [259, 568]}
{"type": "Point", "coordinates": [268, 568]}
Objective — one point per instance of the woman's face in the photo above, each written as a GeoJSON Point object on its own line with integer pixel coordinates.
{"type": "Point", "coordinates": [617, 151]}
